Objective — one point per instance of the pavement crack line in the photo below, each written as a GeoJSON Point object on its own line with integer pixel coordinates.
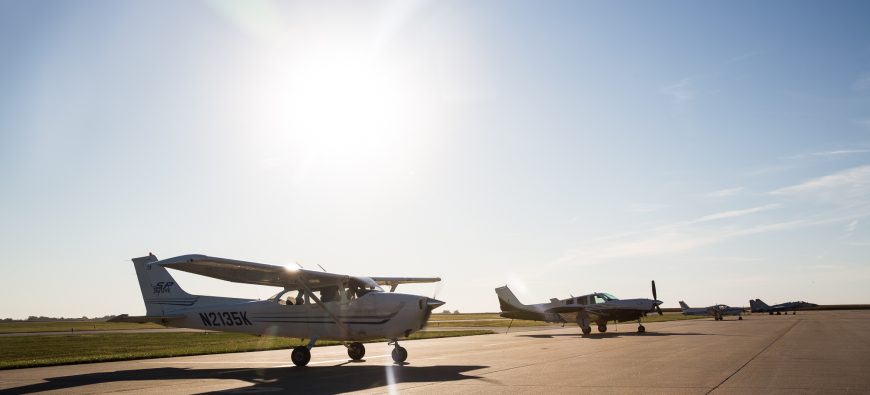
{"type": "Point", "coordinates": [754, 356]}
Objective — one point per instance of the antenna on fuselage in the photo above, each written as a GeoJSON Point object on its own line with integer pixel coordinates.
{"type": "Point", "coordinates": [321, 268]}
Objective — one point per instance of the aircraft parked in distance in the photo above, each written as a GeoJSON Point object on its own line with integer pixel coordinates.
{"type": "Point", "coordinates": [757, 306]}
{"type": "Point", "coordinates": [717, 311]}
{"type": "Point", "coordinates": [313, 305]}
{"type": "Point", "coordinates": [597, 307]}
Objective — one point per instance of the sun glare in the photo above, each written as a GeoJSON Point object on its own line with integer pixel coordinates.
{"type": "Point", "coordinates": [336, 109]}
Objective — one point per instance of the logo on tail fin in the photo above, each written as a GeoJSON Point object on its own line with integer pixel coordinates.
{"type": "Point", "coordinates": [163, 287]}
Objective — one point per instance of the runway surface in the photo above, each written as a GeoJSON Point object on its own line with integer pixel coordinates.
{"type": "Point", "coordinates": [812, 352]}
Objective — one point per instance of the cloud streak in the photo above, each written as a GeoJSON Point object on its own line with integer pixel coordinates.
{"type": "Point", "coordinates": [734, 213]}
{"type": "Point", "coordinates": [724, 193]}
{"type": "Point", "coordinates": [852, 180]}
{"type": "Point", "coordinates": [833, 153]}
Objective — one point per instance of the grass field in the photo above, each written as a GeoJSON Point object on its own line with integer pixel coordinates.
{"type": "Point", "coordinates": [32, 351]}
{"type": "Point", "coordinates": [70, 326]}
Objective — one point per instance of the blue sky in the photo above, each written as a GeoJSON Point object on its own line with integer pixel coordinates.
{"type": "Point", "coordinates": [720, 148]}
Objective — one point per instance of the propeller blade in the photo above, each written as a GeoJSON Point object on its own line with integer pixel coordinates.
{"type": "Point", "coordinates": [655, 297]}
{"type": "Point", "coordinates": [659, 310]}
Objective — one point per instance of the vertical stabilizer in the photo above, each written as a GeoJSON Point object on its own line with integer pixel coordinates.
{"type": "Point", "coordinates": [160, 292]}
{"type": "Point", "coordinates": [684, 306]}
{"type": "Point", "coordinates": [507, 300]}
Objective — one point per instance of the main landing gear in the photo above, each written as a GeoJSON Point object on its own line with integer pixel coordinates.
{"type": "Point", "coordinates": [302, 354]}
{"type": "Point", "coordinates": [640, 327]}
{"type": "Point", "coordinates": [399, 354]}
{"type": "Point", "coordinates": [356, 351]}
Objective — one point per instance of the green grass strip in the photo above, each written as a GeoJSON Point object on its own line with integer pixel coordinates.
{"type": "Point", "coordinates": [33, 351]}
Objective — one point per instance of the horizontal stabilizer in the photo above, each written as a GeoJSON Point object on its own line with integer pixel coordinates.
{"type": "Point", "coordinates": [142, 319]}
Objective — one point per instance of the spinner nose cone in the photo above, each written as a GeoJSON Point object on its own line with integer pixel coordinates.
{"type": "Point", "coordinates": [433, 303]}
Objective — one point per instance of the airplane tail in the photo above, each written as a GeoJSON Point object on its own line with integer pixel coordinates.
{"type": "Point", "coordinates": [160, 292]}
{"type": "Point", "coordinates": [507, 300]}
{"type": "Point", "coordinates": [683, 305]}
{"type": "Point", "coordinates": [757, 306]}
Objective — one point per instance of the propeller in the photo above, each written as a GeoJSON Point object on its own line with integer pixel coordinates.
{"type": "Point", "coordinates": [655, 297]}
{"type": "Point", "coordinates": [432, 304]}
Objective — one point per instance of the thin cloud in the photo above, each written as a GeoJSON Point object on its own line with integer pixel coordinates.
{"type": "Point", "coordinates": [735, 213]}
{"type": "Point", "coordinates": [852, 226]}
{"type": "Point", "coordinates": [682, 91]}
{"type": "Point", "coordinates": [723, 193]}
{"type": "Point", "coordinates": [834, 153]}
{"type": "Point", "coordinates": [643, 208]}
{"type": "Point", "coordinates": [854, 179]}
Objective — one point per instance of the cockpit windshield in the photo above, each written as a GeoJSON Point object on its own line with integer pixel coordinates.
{"type": "Point", "coordinates": [357, 287]}
{"type": "Point", "coordinates": [608, 297]}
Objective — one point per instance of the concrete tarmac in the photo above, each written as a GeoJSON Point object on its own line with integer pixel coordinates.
{"type": "Point", "coordinates": [811, 352]}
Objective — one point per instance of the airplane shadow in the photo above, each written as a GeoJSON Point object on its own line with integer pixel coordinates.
{"type": "Point", "coordinates": [612, 335]}
{"type": "Point", "coordinates": [309, 380]}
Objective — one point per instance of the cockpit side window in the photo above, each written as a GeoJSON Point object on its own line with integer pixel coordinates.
{"type": "Point", "coordinates": [289, 297]}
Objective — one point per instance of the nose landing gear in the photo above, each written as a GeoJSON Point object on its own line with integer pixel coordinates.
{"type": "Point", "coordinates": [399, 354]}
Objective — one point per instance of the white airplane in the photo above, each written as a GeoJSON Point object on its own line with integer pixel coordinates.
{"type": "Point", "coordinates": [717, 311]}
{"type": "Point", "coordinates": [597, 307]}
{"type": "Point", "coordinates": [313, 305]}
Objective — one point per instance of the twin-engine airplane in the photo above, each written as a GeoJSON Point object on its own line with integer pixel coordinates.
{"type": "Point", "coordinates": [758, 306]}
{"type": "Point", "coordinates": [717, 311]}
{"type": "Point", "coordinates": [597, 307]}
{"type": "Point", "coordinates": [313, 305]}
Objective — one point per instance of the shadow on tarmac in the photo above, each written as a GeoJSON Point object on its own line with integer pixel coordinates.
{"type": "Point", "coordinates": [325, 379]}
{"type": "Point", "coordinates": [612, 335]}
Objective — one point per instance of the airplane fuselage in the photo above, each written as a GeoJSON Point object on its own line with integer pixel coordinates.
{"type": "Point", "coordinates": [372, 316]}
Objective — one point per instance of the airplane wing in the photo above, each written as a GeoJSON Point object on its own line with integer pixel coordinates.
{"type": "Point", "coordinates": [250, 272]}
{"type": "Point", "coordinates": [394, 282]}
{"type": "Point", "coordinates": [141, 319]}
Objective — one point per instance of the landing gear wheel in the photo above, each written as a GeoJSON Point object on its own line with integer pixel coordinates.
{"type": "Point", "coordinates": [771, 313]}
{"type": "Point", "coordinates": [641, 329]}
{"type": "Point", "coordinates": [300, 356]}
{"type": "Point", "coordinates": [779, 313]}
{"type": "Point", "coordinates": [602, 328]}
{"type": "Point", "coordinates": [740, 318]}
{"type": "Point", "coordinates": [356, 351]}
{"type": "Point", "coordinates": [586, 330]}
{"type": "Point", "coordinates": [400, 354]}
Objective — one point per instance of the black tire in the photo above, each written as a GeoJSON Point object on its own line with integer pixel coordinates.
{"type": "Point", "coordinates": [300, 356]}
{"type": "Point", "coordinates": [587, 330]}
{"type": "Point", "coordinates": [356, 351]}
{"type": "Point", "coordinates": [740, 317]}
{"type": "Point", "coordinates": [771, 313]}
{"type": "Point", "coordinates": [399, 354]}
{"type": "Point", "coordinates": [602, 328]}
{"type": "Point", "coordinates": [641, 329]}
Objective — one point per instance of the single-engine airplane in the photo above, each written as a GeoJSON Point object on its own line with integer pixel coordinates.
{"type": "Point", "coordinates": [597, 307]}
{"type": "Point", "coordinates": [717, 311]}
{"type": "Point", "coordinates": [313, 305]}
{"type": "Point", "coordinates": [758, 306]}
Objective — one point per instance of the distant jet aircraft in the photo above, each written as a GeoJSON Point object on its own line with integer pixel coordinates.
{"type": "Point", "coordinates": [757, 306]}
{"type": "Point", "coordinates": [597, 307]}
{"type": "Point", "coordinates": [313, 305]}
{"type": "Point", "coordinates": [717, 311]}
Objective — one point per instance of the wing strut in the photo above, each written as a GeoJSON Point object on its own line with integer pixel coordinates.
{"type": "Point", "coordinates": [321, 304]}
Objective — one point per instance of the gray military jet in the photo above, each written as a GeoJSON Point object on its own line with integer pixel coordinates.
{"type": "Point", "coordinates": [758, 306]}
{"type": "Point", "coordinates": [596, 307]}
